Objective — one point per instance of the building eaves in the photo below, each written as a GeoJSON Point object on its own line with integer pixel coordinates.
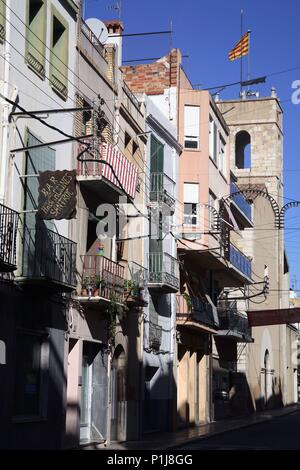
{"type": "Point", "coordinates": [165, 134]}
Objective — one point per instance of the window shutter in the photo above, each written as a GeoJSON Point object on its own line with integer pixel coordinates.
{"type": "Point", "coordinates": [36, 36]}
{"type": "Point", "coordinates": [191, 126]}
{"type": "Point", "coordinates": [59, 54]}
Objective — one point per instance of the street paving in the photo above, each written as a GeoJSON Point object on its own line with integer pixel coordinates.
{"type": "Point", "coordinates": [281, 433]}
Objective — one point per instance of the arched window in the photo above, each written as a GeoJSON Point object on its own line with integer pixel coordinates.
{"type": "Point", "coordinates": [243, 150]}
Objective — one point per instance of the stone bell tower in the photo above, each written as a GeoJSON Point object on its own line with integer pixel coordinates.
{"type": "Point", "coordinates": [256, 160]}
{"type": "Point", "coordinates": [256, 140]}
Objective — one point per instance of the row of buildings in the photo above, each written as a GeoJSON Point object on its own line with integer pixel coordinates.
{"type": "Point", "coordinates": [106, 338]}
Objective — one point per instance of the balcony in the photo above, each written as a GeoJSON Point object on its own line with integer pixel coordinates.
{"type": "Point", "coordinates": [91, 48]}
{"type": "Point", "coordinates": [162, 190]}
{"type": "Point", "coordinates": [193, 312]}
{"type": "Point", "coordinates": [49, 260]}
{"type": "Point", "coordinates": [163, 273]}
{"type": "Point", "coordinates": [135, 284]}
{"type": "Point", "coordinates": [131, 107]}
{"type": "Point", "coordinates": [102, 280]}
{"type": "Point", "coordinates": [240, 206]}
{"type": "Point", "coordinates": [240, 262]}
{"type": "Point", "coordinates": [8, 235]}
{"type": "Point", "coordinates": [99, 182]}
{"type": "Point", "coordinates": [233, 325]}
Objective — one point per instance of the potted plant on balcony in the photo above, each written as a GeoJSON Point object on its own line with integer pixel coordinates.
{"type": "Point", "coordinates": [188, 300]}
{"type": "Point", "coordinates": [115, 311]}
{"type": "Point", "coordinates": [86, 287]}
{"type": "Point", "coordinates": [133, 292]}
{"type": "Point", "coordinates": [96, 285]}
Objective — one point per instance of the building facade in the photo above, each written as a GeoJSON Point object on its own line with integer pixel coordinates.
{"type": "Point", "coordinates": [37, 44]}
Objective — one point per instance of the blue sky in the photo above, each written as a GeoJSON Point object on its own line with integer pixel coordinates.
{"type": "Point", "coordinates": [206, 31]}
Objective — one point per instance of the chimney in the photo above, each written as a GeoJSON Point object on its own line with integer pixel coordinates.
{"type": "Point", "coordinates": [273, 92]}
{"type": "Point", "coordinates": [115, 30]}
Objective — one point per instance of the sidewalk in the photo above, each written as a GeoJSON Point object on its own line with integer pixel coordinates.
{"type": "Point", "coordinates": [170, 441]}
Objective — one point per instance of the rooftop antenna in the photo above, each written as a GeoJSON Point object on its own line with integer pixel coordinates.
{"type": "Point", "coordinates": [118, 7]}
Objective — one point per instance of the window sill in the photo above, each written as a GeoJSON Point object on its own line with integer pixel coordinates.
{"type": "Point", "coordinates": [41, 74]}
{"type": "Point", "coordinates": [192, 150]}
{"type": "Point", "coordinates": [59, 88]}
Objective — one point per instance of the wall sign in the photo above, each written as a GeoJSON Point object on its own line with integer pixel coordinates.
{"type": "Point", "coordinates": [57, 195]}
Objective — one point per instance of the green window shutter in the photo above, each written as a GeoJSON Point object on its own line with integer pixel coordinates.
{"type": "Point", "coordinates": [157, 156]}
{"type": "Point", "coordinates": [2, 20]}
{"type": "Point", "coordinates": [59, 54]}
{"type": "Point", "coordinates": [36, 36]}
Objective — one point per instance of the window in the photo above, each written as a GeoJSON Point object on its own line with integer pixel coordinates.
{"type": "Point", "coordinates": [222, 156]}
{"type": "Point", "coordinates": [29, 374]}
{"type": "Point", "coordinates": [59, 54]}
{"type": "Point", "coordinates": [127, 139]}
{"type": "Point", "coordinates": [213, 143]}
{"type": "Point", "coordinates": [40, 159]}
{"type": "Point", "coordinates": [243, 150]}
{"type": "Point", "coordinates": [191, 203]}
{"type": "Point", "coordinates": [191, 127]}
{"type": "Point", "coordinates": [36, 36]}
{"type": "Point", "coordinates": [212, 203]}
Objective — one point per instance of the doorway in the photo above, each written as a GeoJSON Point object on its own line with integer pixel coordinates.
{"type": "Point", "coordinates": [118, 395]}
{"type": "Point", "coordinates": [94, 393]}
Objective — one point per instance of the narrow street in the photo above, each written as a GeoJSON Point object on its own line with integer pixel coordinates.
{"type": "Point", "coordinates": [280, 433]}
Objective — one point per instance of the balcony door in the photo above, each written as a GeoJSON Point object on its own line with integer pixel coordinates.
{"type": "Point", "coordinates": [37, 245]}
{"type": "Point", "coordinates": [156, 168]}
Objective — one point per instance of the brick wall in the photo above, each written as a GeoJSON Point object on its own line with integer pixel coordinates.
{"type": "Point", "coordinates": [154, 78]}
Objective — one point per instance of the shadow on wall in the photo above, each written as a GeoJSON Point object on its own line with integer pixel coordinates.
{"type": "Point", "coordinates": [275, 400]}
{"type": "Point", "coordinates": [240, 400]}
{"type": "Point", "coordinates": [38, 321]}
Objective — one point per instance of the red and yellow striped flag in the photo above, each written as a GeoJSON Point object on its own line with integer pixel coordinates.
{"type": "Point", "coordinates": [242, 48]}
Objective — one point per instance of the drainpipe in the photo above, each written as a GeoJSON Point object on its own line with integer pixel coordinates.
{"type": "Point", "coordinates": [5, 108]}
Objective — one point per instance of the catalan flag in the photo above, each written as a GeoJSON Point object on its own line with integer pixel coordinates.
{"type": "Point", "coordinates": [242, 48]}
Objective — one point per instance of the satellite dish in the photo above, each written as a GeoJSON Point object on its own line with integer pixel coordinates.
{"type": "Point", "coordinates": [98, 28]}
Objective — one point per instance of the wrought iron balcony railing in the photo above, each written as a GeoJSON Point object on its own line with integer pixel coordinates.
{"type": "Point", "coordinates": [102, 277]}
{"type": "Point", "coordinates": [135, 283]}
{"type": "Point", "coordinates": [240, 261]}
{"type": "Point", "coordinates": [233, 323]}
{"type": "Point", "coordinates": [94, 43]}
{"type": "Point", "coordinates": [162, 189]}
{"type": "Point", "coordinates": [155, 336]}
{"type": "Point", "coordinates": [8, 236]}
{"type": "Point", "coordinates": [194, 309]}
{"type": "Point", "coordinates": [121, 174]}
{"type": "Point", "coordinates": [49, 256]}
{"type": "Point", "coordinates": [131, 96]}
{"type": "Point", "coordinates": [163, 272]}
{"type": "Point", "coordinates": [241, 201]}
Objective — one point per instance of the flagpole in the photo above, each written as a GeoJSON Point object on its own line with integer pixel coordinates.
{"type": "Point", "coordinates": [241, 76]}
{"type": "Point", "coordinates": [249, 33]}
